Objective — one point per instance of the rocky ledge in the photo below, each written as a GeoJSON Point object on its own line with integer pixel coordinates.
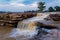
{"type": "Point", "coordinates": [52, 21]}
{"type": "Point", "coordinates": [12, 19]}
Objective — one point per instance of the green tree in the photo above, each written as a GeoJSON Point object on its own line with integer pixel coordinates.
{"type": "Point", "coordinates": [41, 6]}
{"type": "Point", "coordinates": [50, 9]}
{"type": "Point", "coordinates": [57, 8]}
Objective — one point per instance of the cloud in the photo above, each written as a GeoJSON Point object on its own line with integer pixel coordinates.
{"type": "Point", "coordinates": [24, 5]}
{"type": "Point", "coordinates": [18, 7]}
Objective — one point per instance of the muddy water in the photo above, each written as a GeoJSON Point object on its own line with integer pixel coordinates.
{"type": "Point", "coordinates": [10, 33]}
{"type": "Point", "coordinates": [4, 32]}
{"type": "Point", "coordinates": [25, 31]}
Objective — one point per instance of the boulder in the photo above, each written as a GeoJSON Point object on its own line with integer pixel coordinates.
{"type": "Point", "coordinates": [51, 21]}
{"type": "Point", "coordinates": [47, 26]}
{"type": "Point", "coordinates": [55, 17]}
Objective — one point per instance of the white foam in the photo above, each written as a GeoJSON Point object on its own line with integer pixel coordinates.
{"type": "Point", "coordinates": [25, 32]}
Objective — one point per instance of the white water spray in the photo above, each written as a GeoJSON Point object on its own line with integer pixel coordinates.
{"type": "Point", "coordinates": [27, 27]}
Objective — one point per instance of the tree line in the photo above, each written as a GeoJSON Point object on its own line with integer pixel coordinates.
{"type": "Point", "coordinates": [41, 8]}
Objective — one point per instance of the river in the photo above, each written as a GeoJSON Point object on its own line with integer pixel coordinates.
{"type": "Point", "coordinates": [25, 30]}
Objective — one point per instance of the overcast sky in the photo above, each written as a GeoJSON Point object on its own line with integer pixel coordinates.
{"type": "Point", "coordinates": [25, 5]}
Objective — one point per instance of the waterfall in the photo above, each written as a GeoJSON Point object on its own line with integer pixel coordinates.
{"type": "Point", "coordinates": [27, 27]}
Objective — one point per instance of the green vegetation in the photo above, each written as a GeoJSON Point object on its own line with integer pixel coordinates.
{"type": "Point", "coordinates": [54, 9]}
{"type": "Point", "coordinates": [51, 9]}
{"type": "Point", "coordinates": [57, 8]}
{"type": "Point", "coordinates": [41, 6]}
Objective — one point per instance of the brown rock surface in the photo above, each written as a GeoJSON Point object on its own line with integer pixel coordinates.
{"type": "Point", "coordinates": [55, 17]}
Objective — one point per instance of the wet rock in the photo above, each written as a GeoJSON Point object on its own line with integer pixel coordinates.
{"type": "Point", "coordinates": [53, 35]}
{"type": "Point", "coordinates": [42, 25]}
{"type": "Point", "coordinates": [55, 17]}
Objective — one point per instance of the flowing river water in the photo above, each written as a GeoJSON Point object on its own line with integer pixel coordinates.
{"type": "Point", "coordinates": [25, 30]}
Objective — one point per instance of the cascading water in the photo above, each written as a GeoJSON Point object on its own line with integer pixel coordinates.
{"type": "Point", "coordinates": [27, 27]}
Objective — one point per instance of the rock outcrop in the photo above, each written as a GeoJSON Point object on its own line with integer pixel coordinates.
{"type": "Point", "coordinates": [8, 19]}
{"type": "Point", "coordinates": [52, 21]}
{"type": "Point", "coordinates": [55, 17]}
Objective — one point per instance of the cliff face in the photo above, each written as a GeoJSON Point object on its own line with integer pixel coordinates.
{"type": "Point", "coordinates": [13, 18]}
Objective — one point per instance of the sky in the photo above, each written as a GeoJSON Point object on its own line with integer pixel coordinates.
{"type": "Point", "coordinates": [25, 5]}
